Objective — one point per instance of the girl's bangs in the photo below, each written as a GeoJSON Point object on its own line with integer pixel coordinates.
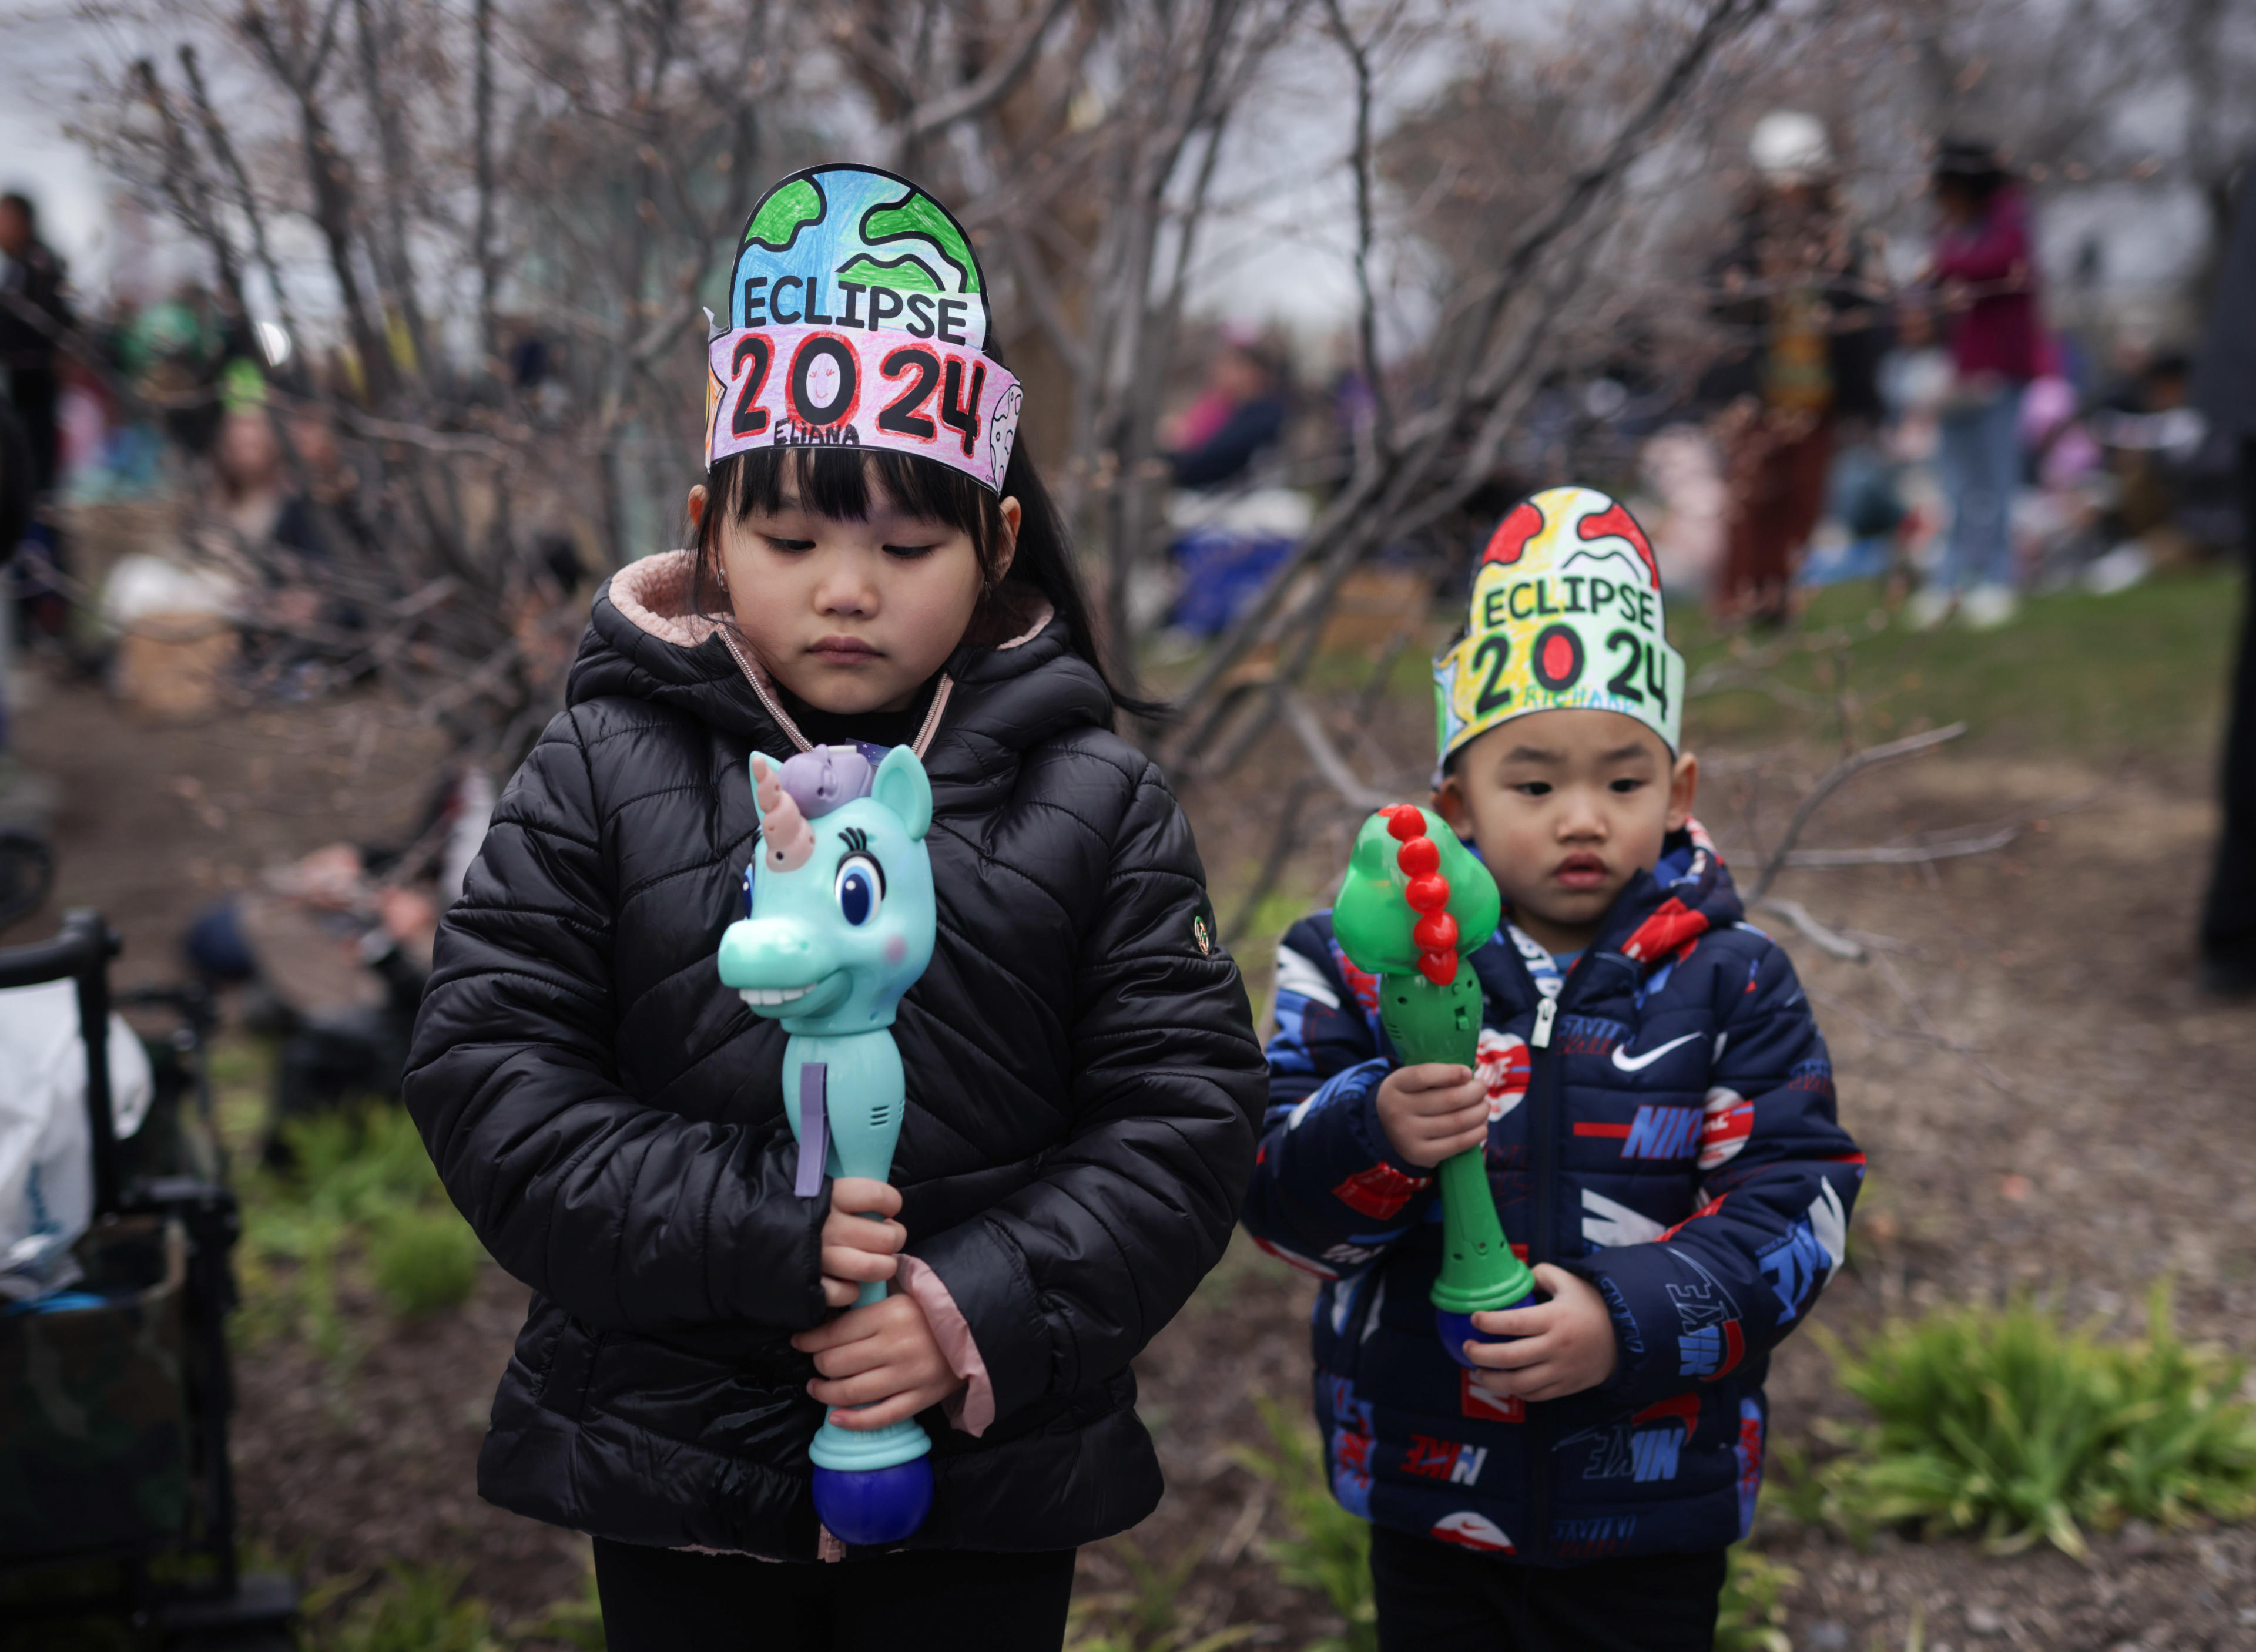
{"type": "Point", "coordinates": [843, 482]}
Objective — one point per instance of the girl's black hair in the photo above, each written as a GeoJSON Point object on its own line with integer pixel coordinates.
{"type": "Point", "coordinates": [838, 482]}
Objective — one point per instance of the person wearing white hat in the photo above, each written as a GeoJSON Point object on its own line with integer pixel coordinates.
{"type": "Point", "coordinates": [1802, 357]}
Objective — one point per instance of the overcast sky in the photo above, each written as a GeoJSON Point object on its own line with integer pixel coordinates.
{"type": "Point", "coordinates": [38, 60]}
{"type": "Point", "coordinates": [1277, 251]}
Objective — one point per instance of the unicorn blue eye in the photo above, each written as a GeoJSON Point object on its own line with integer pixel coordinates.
{"type": "Point", "coordinates": [747, 891]}
{"type": "Point", "coordinates": [861, 888]}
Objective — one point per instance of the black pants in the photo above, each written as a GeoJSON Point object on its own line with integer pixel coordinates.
{"type": "Point", "coordinates": [1436, 1598]}
{"type": "Point", "coordinates": [923, 1600]}
{"type": "Point", "coordinates": [2228, 920]}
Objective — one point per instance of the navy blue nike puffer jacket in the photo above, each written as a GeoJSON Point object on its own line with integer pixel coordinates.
{"type": "Point", "coordinates": [1665, 1127]}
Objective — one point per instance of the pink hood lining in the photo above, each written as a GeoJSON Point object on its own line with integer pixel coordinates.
{"type": "Point", "coordinates": [656, 595]}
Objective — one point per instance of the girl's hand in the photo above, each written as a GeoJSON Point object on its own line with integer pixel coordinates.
{"type": "Point", "coordinates": [883, 1357]}
{"type": "Point", "coordinates": [1433, 1111]}
{"type": "Point", "coordinates": [1566, 1345]}
{"type": "Point", "coordinates": [860, 1241]}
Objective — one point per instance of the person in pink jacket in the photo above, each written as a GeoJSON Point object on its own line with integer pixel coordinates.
{"type": "Point", "coordinates": [1983, 277]}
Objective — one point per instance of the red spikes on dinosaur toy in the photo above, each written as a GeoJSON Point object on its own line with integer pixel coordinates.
{"type": "Point", "coordinates": [1436, 933]}
{"type": "Point", "coordinates": [1419, 857]}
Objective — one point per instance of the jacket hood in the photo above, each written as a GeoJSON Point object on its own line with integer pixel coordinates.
{"type": "Point", "coordinates": [1688, 894]}
{"type": "Point", "coordinates": [1014, 681]}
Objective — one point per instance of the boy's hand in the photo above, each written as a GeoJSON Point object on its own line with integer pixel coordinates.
{"type": "Point", "coordinates": [1433, 1111]}
{"type": "Point", "coordinates": [860, 1242]}
{"type": "Point", "coordinates": [883, 1357]}
{"type": "Point", "coordinates": [1566, 1345]}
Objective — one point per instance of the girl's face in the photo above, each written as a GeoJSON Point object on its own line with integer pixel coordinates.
{"type": "Point", "coordinates": [852, 617]}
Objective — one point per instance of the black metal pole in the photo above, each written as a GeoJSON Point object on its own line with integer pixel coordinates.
{"type": "Point", "coordinates": [95, 945]}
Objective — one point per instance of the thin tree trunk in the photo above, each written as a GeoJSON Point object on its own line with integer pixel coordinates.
{"type": "Point", "coordinates": [488, 262]}
{"type": "Point", "coordinates": [393, 263]}
{"type": "Point", "coordinates": [223, 150]}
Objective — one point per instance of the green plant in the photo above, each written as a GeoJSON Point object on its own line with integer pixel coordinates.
{"type": "Point", "coordinates": [360, 1194]}
{"type": "Point", "coordinates": [576, 1624]}
{"type": "Point", "coordinates": [424, 1260]}
{"type": "Point", "coordinates": [2005, 1421]}
{"type": "Point", "coordinates": [1751, 1615]}
{"type": "Point", "coordinates": [1330, 1549]}
{"type": "Point", "coordinates": [415, 1609]}
{"type": "Point", "coordinates": [1142, 1619]}
{"type": "Point", "coordinates": [1791, 1490]}
{"type": "Point", "coordinates": [287, 1264]}
{"type": "Point", "coordinates": [1242, 1261]}
{"type": "Point", "coordinates": [359, 1164]}
{"type": "Point", "coordinates": [1914, 1637]}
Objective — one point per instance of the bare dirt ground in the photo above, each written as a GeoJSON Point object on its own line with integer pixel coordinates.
{"type": "Point", "coordinates": [2045, 1100]}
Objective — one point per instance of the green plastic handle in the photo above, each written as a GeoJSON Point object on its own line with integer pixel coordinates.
{"type": "Point", "coordinates": [1431, 1020]}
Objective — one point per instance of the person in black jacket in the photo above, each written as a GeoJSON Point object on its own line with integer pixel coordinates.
{"type": "Point", "coordinates": [2224, 388]}
{"type": "Point", "coordinates": [1084, 1075]}
{"type": "Point", "coordinates": [35, 313]}
{"type": "Point", "coordinates": [35, 318]}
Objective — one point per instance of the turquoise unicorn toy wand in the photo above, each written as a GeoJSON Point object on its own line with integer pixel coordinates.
{"type": "Point", "coordinates": [838, 924]}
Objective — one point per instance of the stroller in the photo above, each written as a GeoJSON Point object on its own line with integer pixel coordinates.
{"type": "Point", "coordinates": [116, 1494]}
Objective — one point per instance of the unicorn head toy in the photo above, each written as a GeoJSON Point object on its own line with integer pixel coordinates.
{"type": "Point", "coordinates": [838, 924]}
{"type": "Point", "coordinates": [838, 906]}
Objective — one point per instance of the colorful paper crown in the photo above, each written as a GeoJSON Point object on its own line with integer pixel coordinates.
{"type": "Point", "coordinates": [1566, 615]}
{"type": "Point", "coordinates": [857, 317]}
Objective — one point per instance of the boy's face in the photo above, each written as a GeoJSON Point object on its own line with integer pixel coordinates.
{"type": "Point", "coordinates": [1566, 806]}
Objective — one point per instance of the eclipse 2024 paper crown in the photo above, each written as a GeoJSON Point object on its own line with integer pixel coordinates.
{"type": "Point", "coordinates": [858, 318]}
{"type": "Point", "coordinates": [1566, 615]}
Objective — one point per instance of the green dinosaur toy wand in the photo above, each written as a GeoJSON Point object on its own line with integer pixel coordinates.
{"type": "Point", "coordinates": [1411, 892]}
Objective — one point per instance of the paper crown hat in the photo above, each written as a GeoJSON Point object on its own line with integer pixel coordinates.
{"type": "Point", "coordinates": [857, 317]}
{"type": "Point", "coordinates": [1566, 615]}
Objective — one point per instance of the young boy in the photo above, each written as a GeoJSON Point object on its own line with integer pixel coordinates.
{"type": "Point", "coordinates": [1657, 1111]}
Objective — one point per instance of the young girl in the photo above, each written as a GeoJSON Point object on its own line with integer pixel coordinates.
{"type": "Point", "coordinates": [1082, 1072]}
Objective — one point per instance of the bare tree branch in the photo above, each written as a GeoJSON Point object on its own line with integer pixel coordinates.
{"type": "Point", "coordinates": [1831, 942]}
{"type": "Point", "coordinates": [1367, 510]}
{"type": "Point", "coordinates": [1949, 849]}
{"type": "Point", "coordinates": [1842, 772]}
{"type": "Point", "coordinates": [1332, 767]}
{"type": "Point", "coordinates": [488, 261]}
{"type": "Point", "coordinates": [1358, 57]}
{"type": "Point", "coordinates": [392, 262]}
{"type": "Point", "coordinates": [932, 114]}
{"type": "Point", "coordinates": [246, 199]}
{"type": "Point", "coordinates": [327, 170]}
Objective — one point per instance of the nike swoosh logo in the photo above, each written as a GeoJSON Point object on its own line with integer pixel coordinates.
{"type": "Point", "coordinates": [1629, 1062]}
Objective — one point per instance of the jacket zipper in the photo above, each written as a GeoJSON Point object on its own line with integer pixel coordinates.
{"type": "Point", "coordinates": [1543, 1097]}
{"type": "Point", "coordinates": [767, 703]}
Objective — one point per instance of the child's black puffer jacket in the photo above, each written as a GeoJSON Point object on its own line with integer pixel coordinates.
{"type": "Point", "coordinates": [1083, 1080]}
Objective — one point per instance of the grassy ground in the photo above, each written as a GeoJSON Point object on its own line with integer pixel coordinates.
{"type": "Point", "coordinates": [2143, 671]}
